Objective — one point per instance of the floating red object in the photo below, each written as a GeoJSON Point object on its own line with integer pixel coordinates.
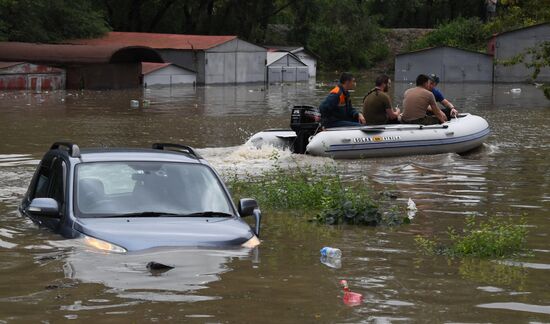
{"type": "Point", "coordinates": [350, 298]}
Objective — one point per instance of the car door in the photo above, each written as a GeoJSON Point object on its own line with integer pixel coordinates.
{"type": "Point", "coordinates": [50, 183]}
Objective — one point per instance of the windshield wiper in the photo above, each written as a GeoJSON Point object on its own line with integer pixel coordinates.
{"type": "Point", "coordinates": [148, 214]}
{"type": "Point", "coordinates": [208, 214]}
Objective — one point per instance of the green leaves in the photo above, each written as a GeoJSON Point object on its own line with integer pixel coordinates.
{"type": "Point", "coordinates": [321, 194]}
{"type": "Point", "coordinates": [49, 20]}
{"type": "Point", "coordinates": [496, 237]}
{"type": "Point", "coordinates": [461, 32]}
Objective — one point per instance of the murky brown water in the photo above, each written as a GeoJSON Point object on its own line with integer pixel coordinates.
{"type": "Point", "coordinates": [46, 278]}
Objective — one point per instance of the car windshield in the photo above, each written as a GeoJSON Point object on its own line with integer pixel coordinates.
{"type": "Point", "coordinates": [110, 189]}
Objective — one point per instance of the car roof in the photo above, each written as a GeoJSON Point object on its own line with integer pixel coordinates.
{"type": "Point", "coordinates": [133, 154]}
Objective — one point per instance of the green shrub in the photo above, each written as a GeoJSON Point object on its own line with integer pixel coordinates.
{"type": "Point", "coordinates": [461, 32]}
{"type": "Point", "coordinates": [495, 237]}
{"type": "Point", "coordinates": [321, 194]}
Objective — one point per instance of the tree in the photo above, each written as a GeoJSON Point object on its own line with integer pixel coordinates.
{"type": "Point", "coordinates": [535, 58]}
{"type": "Point", "coordinates": [49, 20]}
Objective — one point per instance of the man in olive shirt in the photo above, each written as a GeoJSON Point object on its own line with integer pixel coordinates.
{"type": "Point", "coordinates": [416, 102]}
{"type": "Point", "coordinates": [377, 104]}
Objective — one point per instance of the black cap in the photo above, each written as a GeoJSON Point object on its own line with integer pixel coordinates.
{"type": "Point", "coordinates": [434, 78]}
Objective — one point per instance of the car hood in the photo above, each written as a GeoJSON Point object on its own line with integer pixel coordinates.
{"type": "Point", "coordinates": [149, 232]}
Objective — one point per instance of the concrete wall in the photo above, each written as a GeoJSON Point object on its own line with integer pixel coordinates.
{"type": "Point", "coordinates": [169, 76]}
{"type": "Point", "coordinates": [104, 76]}
{"type": "Point", "coordinates": [450, 64]}
{"type": "Point", "coordinates": [510, 44]}
{"type": "Point", "coordinates": [27, 76]}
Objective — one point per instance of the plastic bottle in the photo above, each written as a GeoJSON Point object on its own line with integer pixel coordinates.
{"type": "Point", "coordinates": [335, 263]}
{"type": "Point", "coordinates": [331, 252]}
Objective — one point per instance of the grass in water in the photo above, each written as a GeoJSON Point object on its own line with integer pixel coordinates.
{"type": "Point", "coordinates": [322, 195]}
{"type": "Point", "coordinates": [495, 237]}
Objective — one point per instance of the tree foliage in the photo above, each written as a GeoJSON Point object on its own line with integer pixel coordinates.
{"type": "Point", "coordinates": [463, 33]}
{"type": "Point", "coordinates": [472, 33]}
{"type": "Point", "coordinates": [49, 20]}
{"type": "Point", "coordinates": [424, 13]}
{"type": "Point", "coordinates": [345, 34]}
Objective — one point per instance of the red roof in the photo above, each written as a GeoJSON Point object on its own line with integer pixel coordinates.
{"type": "Point", "coordinates": [8, 64]}
{"type": "Point", "coordinates": [158, 41]}
{"type": "Point", "coordinates": [66, 54]}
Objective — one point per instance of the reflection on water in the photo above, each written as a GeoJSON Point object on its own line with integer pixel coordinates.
{"type": "Point", "coordinates": [493, 273]}
{"type": "Point", "coordinates": [129, 276]}
{"type": "Point", "coordinates": [46, 278]}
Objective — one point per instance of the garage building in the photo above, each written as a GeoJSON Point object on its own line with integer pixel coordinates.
{"type": "Point", "coordinates": [28, 76]}
{"type": "Point", "coordinates": [216, 59]}
{"type": "Point", "coordinates": [506, 45]}
{"type": "Point", "coordinates": [286, 67]}
{"type": "Point", "coordinates": [449, 63]}
{"type": "Point", "coordinates": [166, 75]}
{"type": "Point", "coordinates": [87, 67]}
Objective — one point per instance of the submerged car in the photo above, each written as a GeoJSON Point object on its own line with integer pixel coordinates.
{"type": "Point", "coordinates": [121, 200]}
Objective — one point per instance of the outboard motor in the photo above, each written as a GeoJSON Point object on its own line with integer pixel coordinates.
{"type": "Point", "coordinates": [305, 122]}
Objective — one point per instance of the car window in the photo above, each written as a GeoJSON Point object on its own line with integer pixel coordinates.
{"type": "Point", "coordinates": [50, 182]}
{"type": "Point", "coordinates": [56, 190]}
{"type": "Point", "coordinates": [43, 180]}
{"type": "Point", "coordinates": [116, 188]}
{"type": "Point", "coordinates": [117, 178]}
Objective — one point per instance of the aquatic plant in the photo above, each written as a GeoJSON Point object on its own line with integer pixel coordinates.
{"type": "Point", "coordinates": [320, 194]}
{"type": "Point", "coordinates": [495, 237]}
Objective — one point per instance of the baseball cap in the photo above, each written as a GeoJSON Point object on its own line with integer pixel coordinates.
{"type": "Point", "coordinates": [434, 78]}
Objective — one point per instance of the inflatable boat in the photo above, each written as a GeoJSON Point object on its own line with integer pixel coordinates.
{"type": "Point", "coordinates": [459, 135]}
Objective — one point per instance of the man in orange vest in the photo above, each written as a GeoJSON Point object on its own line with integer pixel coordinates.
{"type": "Point", "coordinates": [337, 110]}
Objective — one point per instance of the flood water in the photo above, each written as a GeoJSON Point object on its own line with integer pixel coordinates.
{"type": "Point", "coordinates": [46, 278]}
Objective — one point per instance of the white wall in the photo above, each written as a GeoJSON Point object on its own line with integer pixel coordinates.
{"type": "Point", "coordinates": [169, 75]}
{"type": "Point", "coordinates": [310, 61]}
{"type": "Point", "coordinates": [236, 61]}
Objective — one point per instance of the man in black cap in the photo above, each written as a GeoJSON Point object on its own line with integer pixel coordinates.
{"type": "Point", "coordinates": [449, 110]}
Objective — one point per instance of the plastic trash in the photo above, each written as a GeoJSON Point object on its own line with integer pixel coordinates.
{"type": "Point", "coordinates": [335, 263]}
{"type": "Point", "coordinates": [331, 252]}
{"type": "Point", "coordinates": [515, 90]}
{"type": "Point", "coordinates": [350, 298]}
{"type": "Point", "coordinates": [134, 103]}
{"type": "Point", "coordinates": [411, 205]}
{"type": "Point", "coordinates": [411, 209]}
{"type": "Point", "coordinates": [146, 103]}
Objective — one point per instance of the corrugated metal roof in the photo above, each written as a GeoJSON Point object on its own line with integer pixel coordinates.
{"type": "Point", "coordinates": [438, 47]}
{"type": "Point", "coordinates": [87, 54]}
{"type": "Point", "coordinates": [520, 29]}
{"type": "Point", "coordinates": [274, 48]}
{"type": "Point", "coordinates": [273, 57]}
{"type": "Point", "coordinates": [158, 41]}
{"type": "Point", "coordinates": [147, 68]}
{"type": "Point", "coordinates": [4, 65]}
{"type": "Point", "coordinates": [291, 49]}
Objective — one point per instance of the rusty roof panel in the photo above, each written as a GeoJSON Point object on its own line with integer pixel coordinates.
{"type": "Point", "coordinates": [4, 65]}
{"type": "Point", "coordinates": [158, 41]}
{"type": "Point", "coordinates": [78, 54]}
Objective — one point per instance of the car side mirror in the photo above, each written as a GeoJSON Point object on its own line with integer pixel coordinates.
{"type": "Point", "coordinates": [247, 206]}
{"type": "Point", "coordinates": [43, 207]}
